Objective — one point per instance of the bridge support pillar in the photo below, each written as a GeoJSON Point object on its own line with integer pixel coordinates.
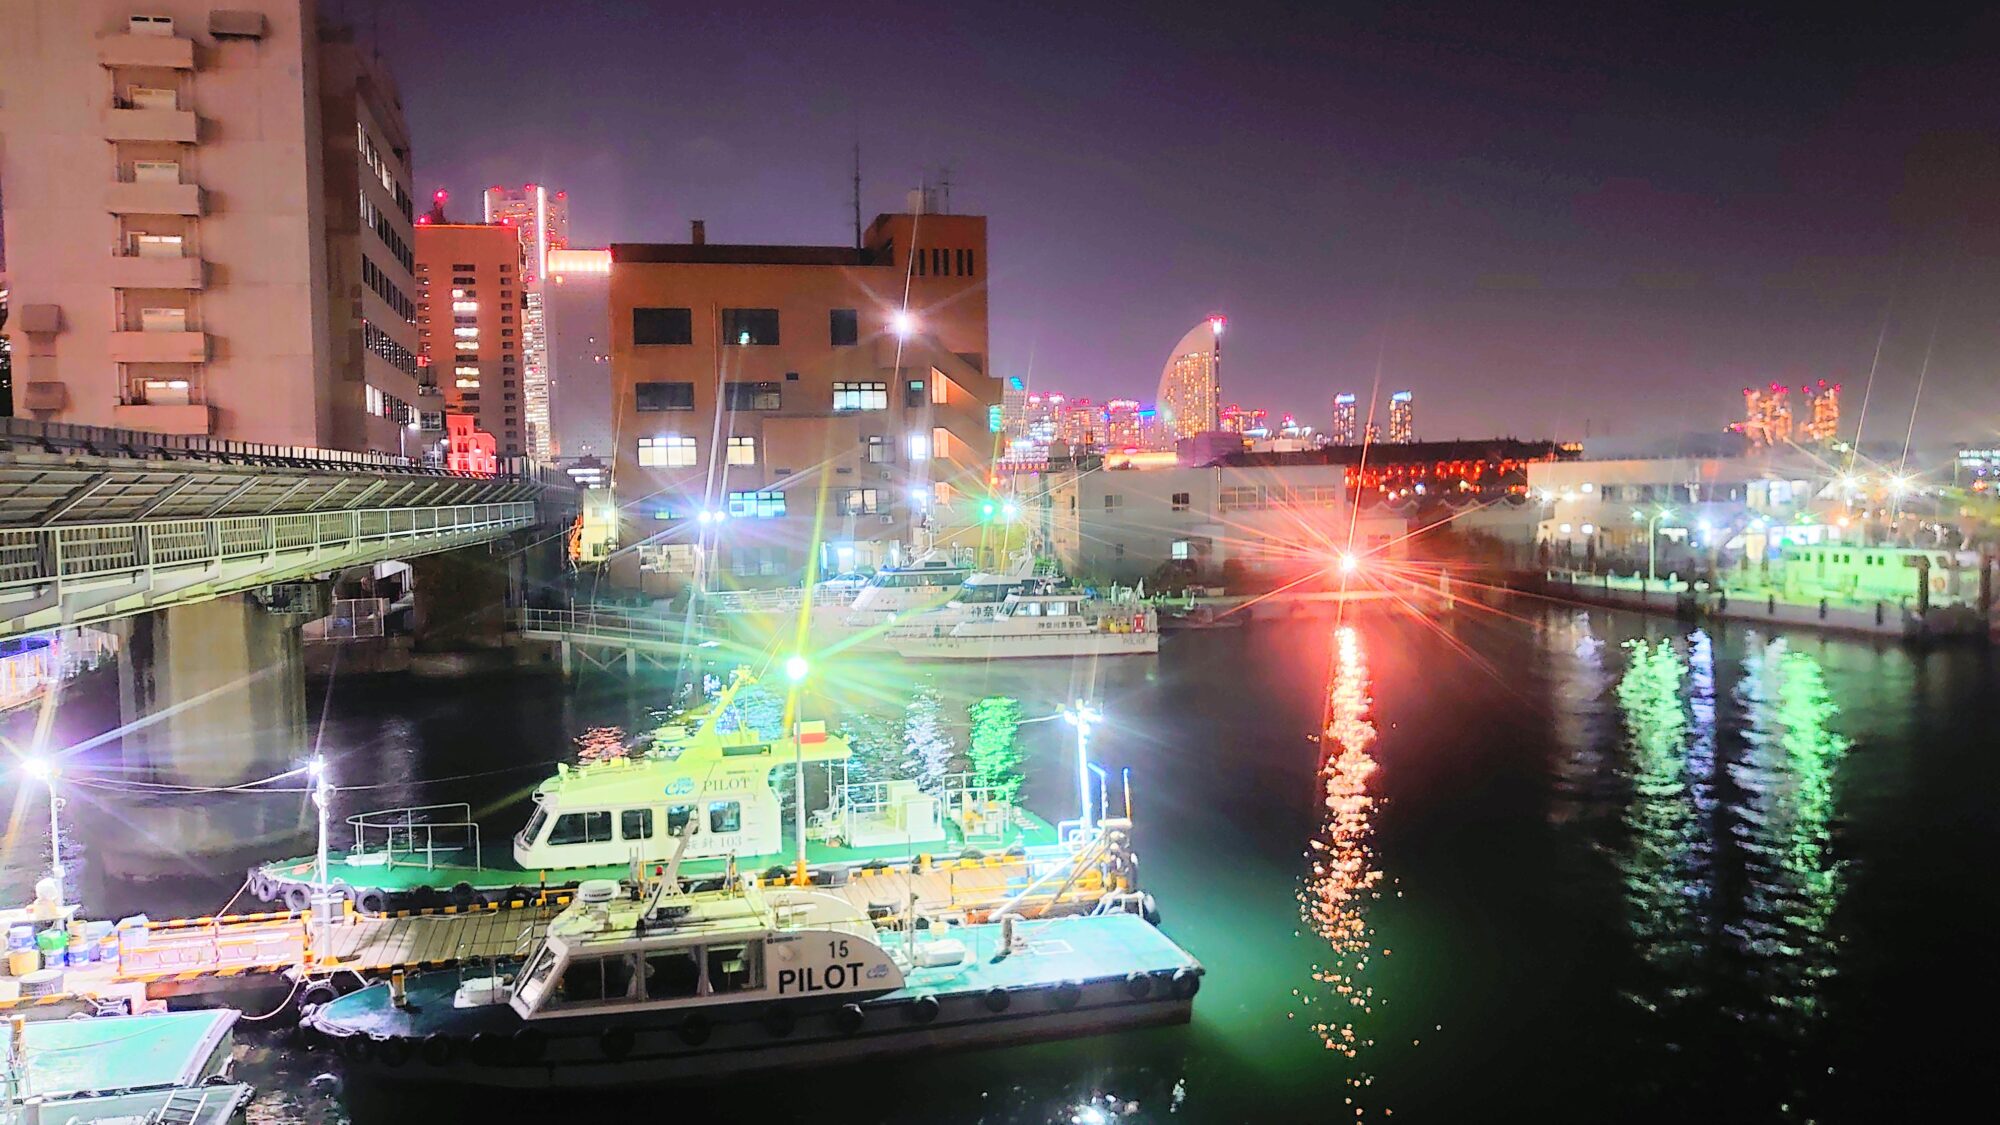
{"type": "Point", "coordinates": [209, 694]}
{"type": "Point", "coordinates": [462, 598]}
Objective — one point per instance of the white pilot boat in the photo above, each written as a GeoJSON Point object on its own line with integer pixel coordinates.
{"type": "Point", "coordinates": [1041, 625]}
{"type": "Point", "coordinates": [642, 981]}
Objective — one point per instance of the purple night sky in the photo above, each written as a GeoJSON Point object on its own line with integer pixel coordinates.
{"type": "Point", "coordinates": [1537, 222]}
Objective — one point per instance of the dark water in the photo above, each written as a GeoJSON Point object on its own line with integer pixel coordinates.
{"type": "Point", "coordinates": [1570, 866]}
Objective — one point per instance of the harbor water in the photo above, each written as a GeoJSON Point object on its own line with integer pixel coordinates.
{"type": "Point", "coordinates": [1551, 863]}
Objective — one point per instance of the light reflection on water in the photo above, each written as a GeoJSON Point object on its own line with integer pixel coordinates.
{"type": "Point", "coordinates": [1342, 880]}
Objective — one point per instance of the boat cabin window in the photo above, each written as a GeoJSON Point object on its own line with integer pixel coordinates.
{"type": "Point", "coordinates": [678, 817]}
{"type": "Point", "coordinates": [725, 816]}
{"type": "Point", "coordinates": [635, 824]}
{"type": "Point", "coordinates": [535, 823]}
{"type": "Point", "coordinates": [589, 980]}
{"type": "Point", "coordinates": [735, 968]}
{"type": "Point", "coordinates": [1058, 609]}
{"type": "Point", "coordinates": [1028, 609]}
{"type": "Point", "coordinates": [536, 978]}
{"type": "Point", "coordinates": [582, 828]}
{"type": "Point", "coordinates": [672, 975]}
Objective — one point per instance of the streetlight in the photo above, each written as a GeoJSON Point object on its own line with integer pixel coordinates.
{"type": "Point", "coordinates": [1080, 717]}
{"type": "Point", "coordinates": [1651, 538]}
{"type": "Point", "coordinates": [903, 323]}
{"type": "Point", "coordinates": [46, 771]}
{"type": "Point", "coordinates": [1348, 563]}
{"type": "Point", "coordinates": [796, 670]}
{"type": "Point", "coordinates": [322, 797]}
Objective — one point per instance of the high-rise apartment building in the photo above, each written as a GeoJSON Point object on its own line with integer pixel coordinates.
{"type": "Point", "coordinates": [541, 217]}
{"type": "Point", "coordinates": [773, 401]}
{"type": "Point", "coordinates": [1345, 425]}
{"type": "Point", "coordinates": [577, 314]}
{"type": "Point", "coordinates": [1824, 400]}
{"type": "Point", "coordinates": [1767, 415]}
{"type": "Point", "coordinates": [470, 286]}
{"type": "Point", "coordinates": [208, 222]}
{"type": "Point", "coordinates": [1190, 398]}
{"type": "Point", "coordinates": [1402, 418]}
{"type": "Point", "coordinates": [1122, 425]}
{"type": "Point", "coordinates": [1080, 425]}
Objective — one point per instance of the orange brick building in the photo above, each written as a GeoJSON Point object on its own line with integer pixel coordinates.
{"type": "Point", "coordinates": [470, 324]}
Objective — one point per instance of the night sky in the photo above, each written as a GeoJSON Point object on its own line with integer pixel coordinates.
{"type": "Point", "coordinates": [1596, 219]}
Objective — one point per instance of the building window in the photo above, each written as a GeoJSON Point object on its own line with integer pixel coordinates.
{"type": "Point", "coordinates": [662, 326]}
{"type": "Point", "coordinates": [916, 393]}
{"type": "Point", "coordinates": [664, 396]}
{"type": "Point", "coordinates": [750, 327]}
{"type": "Point", "coordinates": [1180, 503]}
{"type": "Point", "coordinates": [880, 451]}
{"type": "Point", "coordinates": [1180, 550]}
{"type": "Point", "coordinates": [1113, 501]}
{"type": "Point", "coordinates": [753, 396]}
{"type": "Point", "coordinates": [844, 327]}
{"type": "Point", "coordinates": [742, 451]}
{"type": "Point", "coordinates": [861, 396]}
{"type": "Point", "coordinates": [919, 445]}
{"type": "Point", "coordinates": [971, 265]}
{"type": "Point", "coordinates": [940, 388]}
{"type": "Point", "coordinates": [861, 502]}
{"type": "Point", "coordinates": [670, 452]}
{"type": "Point", "coordinates": [958, 262]}
{"type": "Point", "coordinates": [757, 505]}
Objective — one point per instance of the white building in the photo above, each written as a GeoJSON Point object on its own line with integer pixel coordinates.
{"type": "Point", "coordinates": [1686, 505]}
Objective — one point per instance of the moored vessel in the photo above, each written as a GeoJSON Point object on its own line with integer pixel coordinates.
{"type": "Point", "coordinates": [1042, 625]}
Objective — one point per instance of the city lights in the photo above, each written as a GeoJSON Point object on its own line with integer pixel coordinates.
{"type": "Point", "coordinates": [903, 323]}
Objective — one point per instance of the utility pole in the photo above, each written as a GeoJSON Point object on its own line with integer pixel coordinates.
{"type": "Point", "coordinates": [857, 191]}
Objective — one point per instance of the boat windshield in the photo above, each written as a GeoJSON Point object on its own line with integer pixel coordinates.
{"type": "Point", "coordinates": [902, 580]}
{"type": "Point", "coordinates": [536, 980]}
{"type": "Point", "coordinates": [986, 593]}
{"type": "Point", "coordinates": [535, 822]}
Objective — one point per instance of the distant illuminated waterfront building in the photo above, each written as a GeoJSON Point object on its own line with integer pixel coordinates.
{"type": "Point", "coordinates": [1122, 424]}
{"type": "Point", "coordinates": [1402, 420]}
{"type": "Point", "coordinates": [1824, 425]}
{"type": "Point", "coordinates": [542, 218]}
{"type": "Point", "coordinates": [1080, 425]}
{"type": "Point", "coordinates": [1190, 394]}
{"type": "Point", "coordinates": [1345, 428]}
{"type": "Point", "coordinates": [1767, 415]}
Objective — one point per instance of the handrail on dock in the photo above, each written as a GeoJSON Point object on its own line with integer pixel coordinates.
{"type": "Point", "coordinates": [404, 826]}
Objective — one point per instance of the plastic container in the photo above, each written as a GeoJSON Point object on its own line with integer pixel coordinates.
{"type": "Point", "coordinates": [52, 940]}
{"type": "Point", "coordinates": [20, 935]}
{"type": "Point", "coordinates": [21, 962]}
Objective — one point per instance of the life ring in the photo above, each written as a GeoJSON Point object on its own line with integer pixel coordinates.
{"type": "Point", "coordinates": [372, 902]}
{"type": "Point", "coordinates": [297, 896]}
{"type": "Point", "coordinates": [1138, 985]}
{"type": "Point", "coordinates": [997, 999]}
{"type": "Point", "coordinates": [849, 1018]}
{"type": "Point", "coordinates": [779, 1023]}
{"type": "Point", "coordinates": [394, 1051]}
{"type": "Point", "coordinates": [616, 1042]}
{"type": "Point", "coordinates": [1068, 994]}
{"type": "Point", "coordinates": [1187, 982]}
{"type": "Point", "coordinates": [695, 1030]}
{"type": "Point", "coordinates": [924, 1009]}
{"type": "Point", "coordinates": [529, 1044]}
{"type": "Point", "coordinates": [437, 1049]}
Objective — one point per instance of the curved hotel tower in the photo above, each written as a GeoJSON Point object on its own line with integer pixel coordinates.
{"type": "Point", "coordinates": [1190, 397]}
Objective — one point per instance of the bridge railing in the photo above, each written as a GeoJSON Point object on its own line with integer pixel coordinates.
{"type": "Point", "coordinates": [610, 625]}
{"type": "Point", "coordinates": [85, 550]}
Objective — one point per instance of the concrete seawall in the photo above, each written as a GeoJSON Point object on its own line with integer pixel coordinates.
{"type": "Point", "coordinates": [1878, 618]}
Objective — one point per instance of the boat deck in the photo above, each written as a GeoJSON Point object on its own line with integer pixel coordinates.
{"type": "Point", "coordinates": [1055, 951]}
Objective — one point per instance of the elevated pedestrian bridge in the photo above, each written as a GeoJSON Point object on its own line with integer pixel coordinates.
{"type": "Point", "coordinates": [101, 523]}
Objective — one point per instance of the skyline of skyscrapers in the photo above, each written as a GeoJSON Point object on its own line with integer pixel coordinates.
{"type": "Point", "coordinates": [1344, 429]}
{"type": "Point", "coordinates": [1402, 418]}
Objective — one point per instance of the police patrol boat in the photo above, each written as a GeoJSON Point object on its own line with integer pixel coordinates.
{"type": "Point", "coordinates": [642, 981]}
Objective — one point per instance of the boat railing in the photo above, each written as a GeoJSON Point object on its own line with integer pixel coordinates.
{"type": "Point", "coordinates": [767, 601]}
{"type": "Point", "coordinates": [983, 812]}
{"type": "Point", "coordinates": [420, 832]}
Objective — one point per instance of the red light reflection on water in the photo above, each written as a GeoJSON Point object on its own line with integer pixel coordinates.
{"type": "Point", "coordinates": [1343, 880]}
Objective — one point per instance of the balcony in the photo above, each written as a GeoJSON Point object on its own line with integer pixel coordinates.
{"type": "Point", "coordinates": [153, 199]}
{"type": "Point", "coordinates": [133, 272]}
{"type": "Point", "coordinates": [185, 418]}
{"type": "Point", "coordinates": [159, 347]}
{"type": "Point", "coordinates": [150, 125]}
{"type": "Point", "coordinates": [146, 50]}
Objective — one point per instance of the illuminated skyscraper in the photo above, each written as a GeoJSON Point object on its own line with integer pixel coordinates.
{"type": "Point", "coordinates": [1190, 396]}
{"type": "Point", "coordinates": [1825, 400]}
{"type": "Point", "coordinates": [1402, 421]}
{"type": "Point", "coordinates": [1345, 426]}
{"type": "Point", "coordinates": [1767, 415]}
{"type": "Point", "coordinates": [1122, 424]}
{"type": "Point", "coordinates": [542, 218]}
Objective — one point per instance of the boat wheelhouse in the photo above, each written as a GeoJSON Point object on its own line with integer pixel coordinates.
{"type": "Point", "coordinates": [1042, 625]}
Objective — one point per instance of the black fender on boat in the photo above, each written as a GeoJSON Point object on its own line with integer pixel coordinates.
{"type": "Point", "coordinates": [354, 1047]}
{"type": "Point", "coordinates": [297, 896]}
{"type": "Point", "coordinates": [464, 895]}
{"type": "Point", "coordinates": [318, 994]}
{"type": "Point", "coordinates": [997, 999]}
{"type": "Point", "coordinates": [1068, 994]}
{"type": "Point", "coordinates": [1187, 982]}
{"type": "Point", "coordinates": [696, 1029]}
{"type": "Point", "coordinates": [779, 1023]}
{"type": "Point", "coordinates": [260, 885]}
{"type": "Point", "coordinates": [372, 902]}
{"type": "Point", "coordinates": [924, 1009]}
{"type": "Point", "coordinates": [617, 1042]}
{"type": "Point", "coordinates": [1138, 985]}
{"type": "Point", "coordinates": [438, 1049]}
{"type": "Point", "coordinates": [393, 1051]}
{"type": "Point", "coordinates": [529, 1045]}
{"type": "Point", "coordinates": [849, 1018]}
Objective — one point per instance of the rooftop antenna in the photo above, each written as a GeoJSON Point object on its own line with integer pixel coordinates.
{"type": "Point", "coordinates": [857, 191]}
{"type": "Point", "coordinates": [944, 182]}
